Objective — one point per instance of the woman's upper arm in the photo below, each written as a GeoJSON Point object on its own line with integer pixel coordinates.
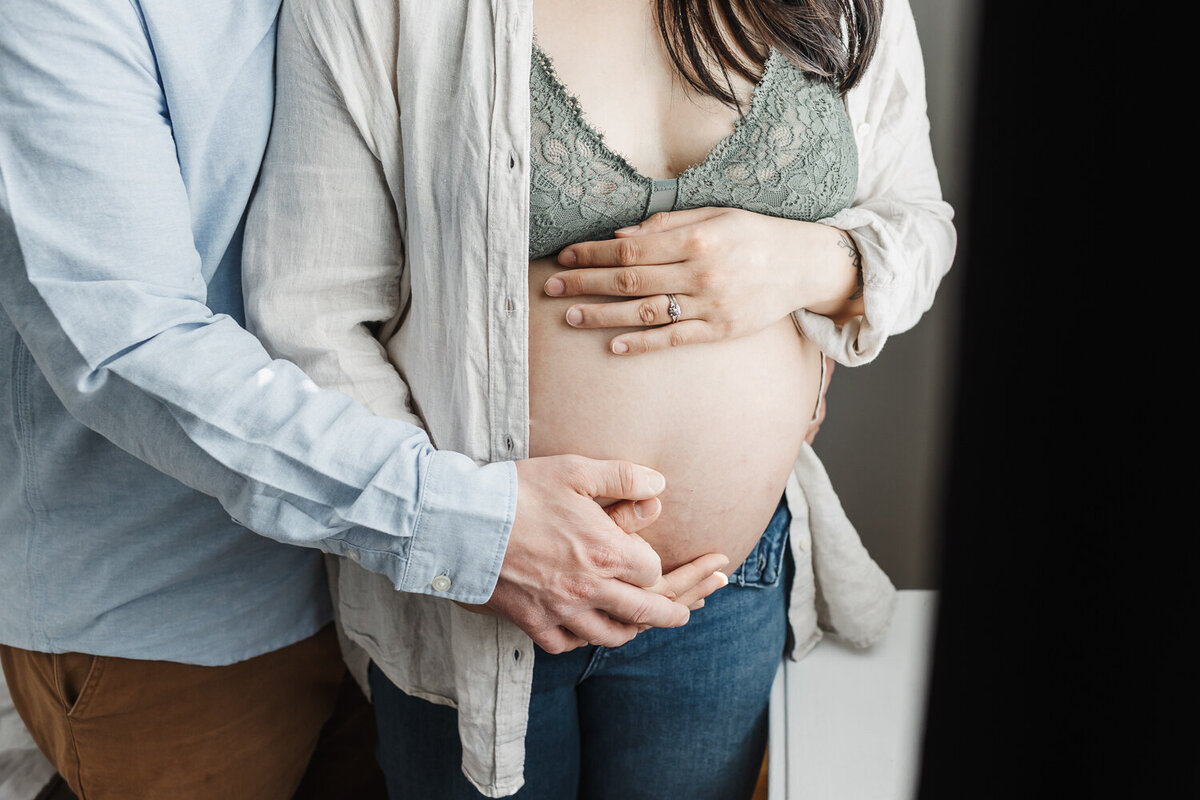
{"type": "Point", "coordinates": [902, 227]}
{"type": "Point", "coordinates": [323, 256]}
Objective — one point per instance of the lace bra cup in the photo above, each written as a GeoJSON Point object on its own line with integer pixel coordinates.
{"type": "Point", "coordinates": [791, 155]}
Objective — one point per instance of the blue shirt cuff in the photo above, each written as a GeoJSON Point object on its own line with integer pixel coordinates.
{"type": "Point", "coordinates": [461, 533]}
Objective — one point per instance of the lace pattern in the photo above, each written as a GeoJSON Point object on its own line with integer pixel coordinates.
{"type": "Point", "coordinates": [792, 154]}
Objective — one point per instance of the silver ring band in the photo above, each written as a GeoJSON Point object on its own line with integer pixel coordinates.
{"type": "Point", "coordinates": [673, 308]}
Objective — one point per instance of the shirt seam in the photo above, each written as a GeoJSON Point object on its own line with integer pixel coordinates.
{"type": "Point", "coordinates": [31, 494]}
{"type": "Point", "coordinates": [423, 482]}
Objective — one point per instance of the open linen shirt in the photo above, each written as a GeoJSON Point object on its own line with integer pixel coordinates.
{"type": "Point", "coordinates": [387, 254]}
{"type": "Point", "coordinates": [139, 422]}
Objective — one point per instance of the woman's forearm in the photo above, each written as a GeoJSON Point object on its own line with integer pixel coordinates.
{"type": "Point", "coordinates": [825, 271]}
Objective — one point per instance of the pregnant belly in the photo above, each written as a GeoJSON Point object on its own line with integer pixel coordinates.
{"type": "Point", "coordinates": [723, 422]}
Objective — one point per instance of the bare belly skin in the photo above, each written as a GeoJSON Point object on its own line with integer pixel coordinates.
{"type": "Point", "coordinates": [723, 422]}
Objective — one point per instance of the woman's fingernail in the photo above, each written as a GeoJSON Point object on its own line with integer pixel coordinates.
{"type": "Point", "coordinates": [574, 316]}
{"type": "Point", "coordinates": [555, 287]}
{"type": "Point", "coordinates": [630, 229]}
{"type": "Point", "coordinates": [645, 508]}
{"type": "Point", "coordinates": [724, 579]}
{"type": "Point", "coordinates": [620, 348]}
{"type": "Point", "coordinates": [566, 257]}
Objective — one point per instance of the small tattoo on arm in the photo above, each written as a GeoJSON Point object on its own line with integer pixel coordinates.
{"type": "Point", "coordinates": [856, 260]}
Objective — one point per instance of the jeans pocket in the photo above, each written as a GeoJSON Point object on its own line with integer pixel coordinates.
{"type": "Point", "coordinates": [764, 566]}
{"type": "Point", "coordinates": [76, 675]}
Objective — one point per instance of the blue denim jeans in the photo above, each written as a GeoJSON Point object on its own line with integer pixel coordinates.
{"type": "Point", "coordinates": [675, 713]}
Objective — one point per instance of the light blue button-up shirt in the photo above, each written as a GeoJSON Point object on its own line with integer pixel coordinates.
{"type": "Point", "coordinates": [143, 432]}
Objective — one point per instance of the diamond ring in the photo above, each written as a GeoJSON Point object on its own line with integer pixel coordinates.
{"type": "Point", "coordinates": [673, 308]}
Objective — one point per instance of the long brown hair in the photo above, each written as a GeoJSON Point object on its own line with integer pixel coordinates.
{"type": "Point", "coordinates": [707, 39]}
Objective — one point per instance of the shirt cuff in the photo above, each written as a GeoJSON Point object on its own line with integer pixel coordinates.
{"type": "Point", "coordinates": [461, 532]}
{"type": "Point", "coordinates": [860, 339]}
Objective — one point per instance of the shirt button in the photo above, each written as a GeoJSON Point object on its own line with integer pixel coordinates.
{"type": "Point", "coordinates": [441, 583]}
{"type": "Point", "coordinates": [354, 556]}
{"type": "Point", "coordinates": [863, 129]}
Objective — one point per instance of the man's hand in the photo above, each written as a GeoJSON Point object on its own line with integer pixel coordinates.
{"type": "Point", "coordinates": [573, 575]}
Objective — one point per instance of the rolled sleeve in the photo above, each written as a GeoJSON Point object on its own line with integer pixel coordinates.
{"type": "Point", "coordinates": [899, 222]}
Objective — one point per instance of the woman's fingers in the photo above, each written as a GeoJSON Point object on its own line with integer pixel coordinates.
{"type": "Point", "coordinates": [653, 310]}
{"type": "Point", "coordinates": [703, 589]}
{"type": "Point", "coordinates": [695, 580]}
{"type": "Point", "coordinates": [631, 250]}
{"type": "Point", "coordinates": [630, 281]}
{"type": "Point", "coordinates": [688, 331]}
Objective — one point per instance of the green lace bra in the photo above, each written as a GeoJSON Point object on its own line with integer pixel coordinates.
{"type": "Point", "coordinates": [792, 154]}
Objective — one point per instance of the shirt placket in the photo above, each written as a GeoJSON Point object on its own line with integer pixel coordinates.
{"type": "Point", "coordinates": [507, 245]}
{"type": "Point", "coordinates": [508, 325]}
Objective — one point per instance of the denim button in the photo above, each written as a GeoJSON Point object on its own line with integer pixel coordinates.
{"type": "Point", "coordinates": [441, 583]}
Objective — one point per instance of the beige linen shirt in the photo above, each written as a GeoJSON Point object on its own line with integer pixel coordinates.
{"type": "Point", "coordinates": [386, 253]}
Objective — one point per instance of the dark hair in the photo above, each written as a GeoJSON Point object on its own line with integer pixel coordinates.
{"type": "Point", "coordinates": [706, 39]}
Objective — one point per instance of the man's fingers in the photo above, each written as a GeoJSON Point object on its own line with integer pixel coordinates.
{"type": "Point", "coordinates": [642, 568]}
{"type": "Point", "coordinates": [620, 480]}
{"type": "Point", "coordinates": [557, 640]}
{"type": "Point", "coordinates": [620, 555]}
{"type": "Point", "coordinates": [628, 603]}
{"type": "Point", "coordinates": [633, 516]}
{"type": "Point", "coordinates": [601, 629]}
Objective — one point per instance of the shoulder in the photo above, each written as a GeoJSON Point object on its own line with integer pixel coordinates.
{"type": "Point", "coordinates": [898, 64]}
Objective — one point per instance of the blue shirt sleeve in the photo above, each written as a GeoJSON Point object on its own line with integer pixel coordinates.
{"type": "Point", "coordinates": [105, 263]}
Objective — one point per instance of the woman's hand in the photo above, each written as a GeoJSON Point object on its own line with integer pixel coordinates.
{"type": "Point", "coordinates": [731, 272]}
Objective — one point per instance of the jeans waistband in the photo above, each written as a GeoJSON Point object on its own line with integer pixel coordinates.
{"type": "Point", "coordinates": [764, 565]}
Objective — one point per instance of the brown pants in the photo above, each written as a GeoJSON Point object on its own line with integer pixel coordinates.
{"type": "Point", "coordinates": [291, 723]}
